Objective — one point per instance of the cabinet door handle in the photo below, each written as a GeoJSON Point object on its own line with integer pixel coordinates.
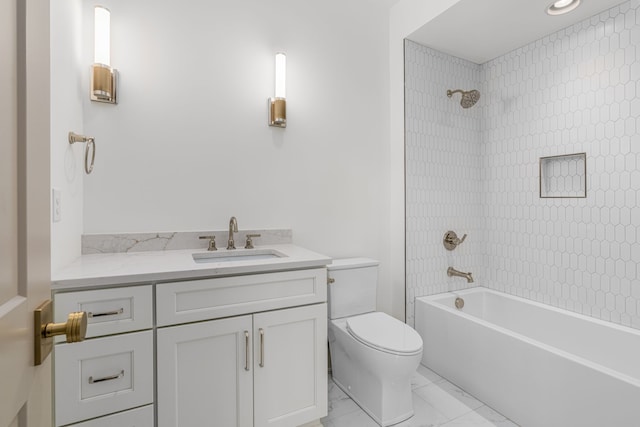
{"type": "Point", "coordinates": [107, 313]}
{"type": "Point", "coordinates": [112, 377]}
{"type": "Point", "coordinates": [246, 351]}
{"type": "Point", "coordinates": [261, 347]}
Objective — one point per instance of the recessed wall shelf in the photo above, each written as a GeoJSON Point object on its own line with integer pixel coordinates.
{"type": "Point", "coordinates": [563, 176]}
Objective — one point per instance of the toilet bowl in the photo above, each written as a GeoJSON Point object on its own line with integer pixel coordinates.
{"type": "Point", "coordinates": [373, 355]}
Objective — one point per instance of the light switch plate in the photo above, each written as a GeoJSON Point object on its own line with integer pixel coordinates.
{"type": "Point", "coordinates": [56, 204]}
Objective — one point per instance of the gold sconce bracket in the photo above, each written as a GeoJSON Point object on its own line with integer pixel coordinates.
{"type": "Point", "coordinates": [75, 328]}
{"type": "Point", "coordinates": [277, 112]}
{"type": "Point", "coordinates": [104, 84]}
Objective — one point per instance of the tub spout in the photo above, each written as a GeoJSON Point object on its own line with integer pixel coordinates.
{"type": "Point", "coordinates": [453, 272]}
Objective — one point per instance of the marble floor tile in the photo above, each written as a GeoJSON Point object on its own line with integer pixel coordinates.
{"type": "Point", "coordinates": [418, 380]}
{"type": "Point", "coordinates": [497, 419]}
{"type": "Point", "coordinates": [339, 403]}
{"type": "Point", "coordinates": [436, 403]}
{"type": "Point", "coordinates": [424, 415]}
{"type": "Point", "coordinates": [353, 419]}
{"type": "Point", "coordinates": [448, 399]}
{"type": "Point", "coordinates": [429, 374]}
{"type": "Point", "coordinates": [481, 417]}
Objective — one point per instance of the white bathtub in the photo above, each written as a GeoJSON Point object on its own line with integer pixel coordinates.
{"type": "Point", "coordinates": [538, 365]}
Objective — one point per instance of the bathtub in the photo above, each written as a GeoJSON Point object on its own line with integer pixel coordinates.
{"type": "Point", "coordinates": [538, 365]}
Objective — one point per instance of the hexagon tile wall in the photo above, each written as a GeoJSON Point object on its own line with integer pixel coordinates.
{"type": "Point", "coordinates": [476, 171]}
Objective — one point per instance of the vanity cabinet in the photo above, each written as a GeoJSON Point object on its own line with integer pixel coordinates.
{"type": "Point", "coordinates": [261, 369]}
{"type": "Point", "coordinates": [245, 350]}
{"type": "Point", "coordinates": [266, 369]}
{"type": "Point", "coordinates": [113, 369]}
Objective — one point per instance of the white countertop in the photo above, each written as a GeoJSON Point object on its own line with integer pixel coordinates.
{"type": "Point", "coordinates": [137, 267]}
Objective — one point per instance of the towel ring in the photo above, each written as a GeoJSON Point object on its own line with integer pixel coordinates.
{"type": "Point", "coordinates": [74, 137]}
{"type": "Point", "coordinates": [88, 168]}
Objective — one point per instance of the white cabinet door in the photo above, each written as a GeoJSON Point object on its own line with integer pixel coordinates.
{"type": "Point", "coordinates": [290, 377]}
{"type": "Point", "coordinates": [205, 374]}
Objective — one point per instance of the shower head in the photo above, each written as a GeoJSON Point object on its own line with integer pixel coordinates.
{"type": "Point", "coordinates": [469, 98]}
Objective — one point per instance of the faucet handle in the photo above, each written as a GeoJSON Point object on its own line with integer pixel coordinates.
{"type": "Point", "coordinates": [212, 242]}
{"type": "Point", "coordinates": [451, 240]}
{"type": "Point", "coordinates": [249, 243]}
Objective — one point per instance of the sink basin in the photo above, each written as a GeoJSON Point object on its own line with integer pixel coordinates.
{"type": "Point", "coordinates": [236, 255]}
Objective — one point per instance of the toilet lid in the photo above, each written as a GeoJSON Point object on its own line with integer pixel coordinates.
{"type": "Point", "coordinates": [383, 332]}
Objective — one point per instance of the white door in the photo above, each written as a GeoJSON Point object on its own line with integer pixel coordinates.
{"type": "Point", "coordinates": [25, 389]}
{"type": "Point", "coordinates": [205, 374]}
{"type": "Point", "coordinates": [290, 359]}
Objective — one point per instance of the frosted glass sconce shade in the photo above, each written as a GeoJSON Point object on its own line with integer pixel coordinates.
{"type": "Point", "coordinates": [278, 104]}
{"type": "Point", "coordinates": [281, 75]}
{"type": "Point", "coordinates": [102, 36]}
{"type": "Point", "coordinates": [103, 77]}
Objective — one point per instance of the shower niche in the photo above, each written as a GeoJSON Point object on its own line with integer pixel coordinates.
{"type": "Point", "coordinates": [563, 176]}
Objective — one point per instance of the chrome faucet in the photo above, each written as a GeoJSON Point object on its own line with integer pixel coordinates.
{"type": "Point", "coordinates": [453, 272]}
{"type": "Point", "coordinates": [233, 228]}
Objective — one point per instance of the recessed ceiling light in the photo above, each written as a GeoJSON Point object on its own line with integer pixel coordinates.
{"type": "Point", "coordinates": [562, 6]}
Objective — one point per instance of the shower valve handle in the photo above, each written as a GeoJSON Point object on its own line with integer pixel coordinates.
{"type": "Point", "coordinates": [451, 240]}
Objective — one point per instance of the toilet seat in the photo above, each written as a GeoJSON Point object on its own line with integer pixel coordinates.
{"type": "Point", "coordinates": [385, 333]}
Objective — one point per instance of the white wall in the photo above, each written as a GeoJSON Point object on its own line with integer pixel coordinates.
{"type": "Point", "coordinates": [188, 146]}
{"type": "Point", "coordinates": [66, 115]}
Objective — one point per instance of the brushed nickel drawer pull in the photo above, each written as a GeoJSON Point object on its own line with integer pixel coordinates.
{"type": "Point", "coordinates": [246, 351]}
{"type": "Point", "coordinates": [261, 347]}
{"type": "Point", "coordinates": [107, 313]}
{"type": "Point", "coordinates": [112, 377]}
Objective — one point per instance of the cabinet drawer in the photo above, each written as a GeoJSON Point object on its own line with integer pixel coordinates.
{"type": "Point", "coordinates": [101, 376]}
{"type": "Point", "coordinates": [194, 300]}
{"type": "Point", "coordinates": [139, 417]}
{"type": "Point", "coordinates": [110, 311]}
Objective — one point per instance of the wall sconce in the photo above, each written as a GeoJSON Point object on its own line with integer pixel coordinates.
{"type": "Point", "coordinates": [278, 104]}
{"type": "Point", "coordinates": [103, 77]}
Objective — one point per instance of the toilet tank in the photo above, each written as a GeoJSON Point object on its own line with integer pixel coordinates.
{"type": "Point", "coordinates": [353, 287]}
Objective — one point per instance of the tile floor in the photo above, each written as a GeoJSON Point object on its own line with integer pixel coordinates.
{"type": "Point", "coordinates": [436, 403]}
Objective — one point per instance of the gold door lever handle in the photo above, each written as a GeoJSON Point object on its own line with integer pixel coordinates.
{"type": "Point", "coordinates": [75, 329]}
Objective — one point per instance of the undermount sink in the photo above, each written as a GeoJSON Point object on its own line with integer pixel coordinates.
{"type": "Point", "coordinates": [238, 255]}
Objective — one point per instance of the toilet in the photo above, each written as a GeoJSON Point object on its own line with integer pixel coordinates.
{"type": "Point", "coordinates": [373, 355]}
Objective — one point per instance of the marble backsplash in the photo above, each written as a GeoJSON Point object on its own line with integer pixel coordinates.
{"type": "Point", "coordinates": [141, 242]}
